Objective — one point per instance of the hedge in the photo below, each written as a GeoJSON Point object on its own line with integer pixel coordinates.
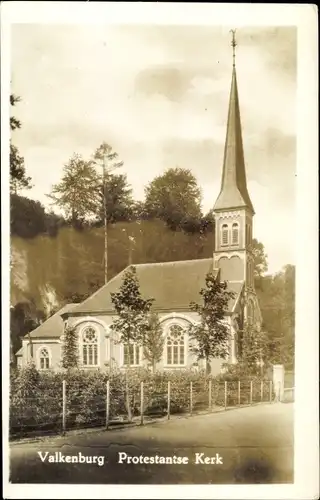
{"type": "Point", "coordinates": [36, 397]}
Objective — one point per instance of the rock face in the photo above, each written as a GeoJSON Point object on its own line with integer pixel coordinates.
{"type": "Point", "coordinates": [19, 285]}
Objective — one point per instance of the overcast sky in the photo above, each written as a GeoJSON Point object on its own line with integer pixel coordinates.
{"type": "Point", "coordinates": [159, 96]}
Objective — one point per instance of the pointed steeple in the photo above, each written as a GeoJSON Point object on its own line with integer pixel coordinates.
{"type": "Point", "coordinates": [233, 192]}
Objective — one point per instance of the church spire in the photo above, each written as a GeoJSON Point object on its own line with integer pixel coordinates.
{"type": "Point", "coordinates": [233, 192]}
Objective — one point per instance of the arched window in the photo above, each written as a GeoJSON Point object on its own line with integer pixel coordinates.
{"type": "Point", "coordinates": [131, 355]}
{"type": "Point", "coordinates": [44, 358]}
{"type": "Point", "coordinates": [225, 234]}
{"type": "Point", "coordinates": [89, 346]}
{"type": "Point", "coordinates": [235, 233]}
{"type": "Point", "coordinates": [175, 346]}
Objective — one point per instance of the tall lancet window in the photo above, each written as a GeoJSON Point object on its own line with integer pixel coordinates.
{"type": "Point", "coordinates": [44, 358]}
{"type": "Point", "coordinates": [89, 346]}
{"type": "Point", "coordinates": [225, 234]}
{"type": "Point", "coordinates": [235, 233]}
{"type": "Point", "coordinates": [175, 346]}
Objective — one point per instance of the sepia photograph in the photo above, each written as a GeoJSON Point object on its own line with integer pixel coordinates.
{"type": "Point", "coordinates": [152, 187]}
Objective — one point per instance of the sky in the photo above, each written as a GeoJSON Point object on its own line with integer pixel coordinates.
{"type": "Point", "coordinates": [159, 96]}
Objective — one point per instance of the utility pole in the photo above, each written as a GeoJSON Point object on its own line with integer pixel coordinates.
{"type": "Point", "coordinates": [131, 241]}
{"type": "Point", "coordinates": [105, 219]}
{"type": "Point", "coordinates": [106, 169]}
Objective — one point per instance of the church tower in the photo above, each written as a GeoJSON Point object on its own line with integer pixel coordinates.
{"type": "Point", "coordinates": [233, 209]}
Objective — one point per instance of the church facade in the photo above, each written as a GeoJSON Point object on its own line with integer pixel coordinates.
{"type": "Point", "coordinates": [172, 285]}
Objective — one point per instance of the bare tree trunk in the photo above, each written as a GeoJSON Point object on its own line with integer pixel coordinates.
{"type": "Point", "coordinates": [127, 395]}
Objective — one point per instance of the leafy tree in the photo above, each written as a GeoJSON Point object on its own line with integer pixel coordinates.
{"type": "Point", "coordinates": [211, 333]}
{"type": "Point", "coordinates": [104, 153]}
{"type": "Point", "coordinates": [70, 355]}
{"type": "Point", "coordinates": [77, 193]}
{"type": "Point", "coordinates": [24, 317]}
{"type": "Point", "coordinates": [259, 259]}
{"type": "Point", "coordinates": [277, 302]}
{"type": "Point", "coordinates": [27, 217]}
{"type": "Point", "coordinates": [207, 224]}
{"type": "Point", "coordinates": [18, 177]}
{"type": "Point", "coordinates": [153, 341]}
{"type": "Point", "coordinates": [256, 351]}
{"type": "Point", "coordinates": [175, 198]}
{"type": "Point", "coordinates": [131, 323]}
{"type": "Point", "coordinates": [119, 202]}
{"type": "Point", "coordinates": [114, 188]}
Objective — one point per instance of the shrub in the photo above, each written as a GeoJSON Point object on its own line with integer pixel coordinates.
{"type": "Point", "coordinates": [36, 397]}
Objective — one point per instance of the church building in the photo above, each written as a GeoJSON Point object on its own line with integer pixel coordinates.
{"type": "Point", "coordinates": [173, 285]}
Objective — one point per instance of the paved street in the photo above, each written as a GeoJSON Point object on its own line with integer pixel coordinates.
{"type": "Point", "coordinates": [256, 446]}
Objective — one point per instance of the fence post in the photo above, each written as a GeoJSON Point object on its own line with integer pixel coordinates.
{"type": "Point", "coordinates": [261, 391]}
{"type": "Point", "coordinates": [108, 405]}
{"type": "Point", "coordinates": [225, 394]}
{"type": "Point", "coordinates": [191, 404]}
{"type": "Point", "coordinates": [270, 390]}
{"type": "Point", "coordinates": [251, 391]}
{"type": "Point", "coordinates": [64, 406]}
{"type": "Point", "coordinates": [210, 395]}
{"type": "Point", "coordinates": [169, 396]}
{"type": "Point", "coordinates": [239, 393]}
{"type": "Point", "coordinates": [141, 403]}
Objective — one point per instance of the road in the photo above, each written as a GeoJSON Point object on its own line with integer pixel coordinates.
{"type": "Point", "coordinates": [255, 445]}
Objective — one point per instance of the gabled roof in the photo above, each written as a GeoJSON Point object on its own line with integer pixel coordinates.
{"type": "Point", "coordinates": [20, 352]}
{"type": "Point", "coordinates": [233, 192]}
{"type": "Point", "coordinates": [172, 285]}
{"type": "Point", "coordinates": [53, 326]}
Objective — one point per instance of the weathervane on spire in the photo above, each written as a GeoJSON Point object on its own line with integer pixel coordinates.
{"type": "Point", "coordinates": [233, 45]}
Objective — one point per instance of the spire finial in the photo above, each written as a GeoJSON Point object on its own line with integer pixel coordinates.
{"type": "Point", "coordinates": [233, 45]}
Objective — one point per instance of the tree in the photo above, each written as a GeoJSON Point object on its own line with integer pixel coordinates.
{"type": "Point", "coordinates": [277, 302]}
{"type": "Point", "coordinates": [78, 192]}
{"type": "Point", "coordinates": [259, 259]}
{"type": "Point", "coordinates": [153, 341]}
{"type": "Point", "coordinates": [70, 354]}
{"type": "Point", "coordinates": [24, 317]}
{"type": "Point", "coordinates": [256, 350]}
{"type": "Point", "coordinates": [104, 153]}
{"type": "Point", "coordinates": [18, 177]}
{"type": "Point", "coordinates": [212, 332]}
{"type": "Point", "coordinates": [118, 201]}
{"type": "Point", "coordinates": [207, 224]}
{"type": "Point", "coordinates": [131, 323]}
{"type": "Point", "coordinates": [175, 198]}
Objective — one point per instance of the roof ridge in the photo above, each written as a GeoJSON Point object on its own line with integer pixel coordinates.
{"type": "Point", "coordinates": [170, 262]}
{"type": "Point", "coordinates": [103, 286]}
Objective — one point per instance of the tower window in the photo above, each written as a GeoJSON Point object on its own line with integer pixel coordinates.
{"type": "Point", "coordinates": [235, 233]}
{"type": "Point", "coordinates": [225, 234]}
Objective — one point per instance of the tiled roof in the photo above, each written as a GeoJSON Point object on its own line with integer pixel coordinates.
{"type": "Point", "coordinates": [53, 326]}
{"type": "Point", "coordinates": [172, 285]}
